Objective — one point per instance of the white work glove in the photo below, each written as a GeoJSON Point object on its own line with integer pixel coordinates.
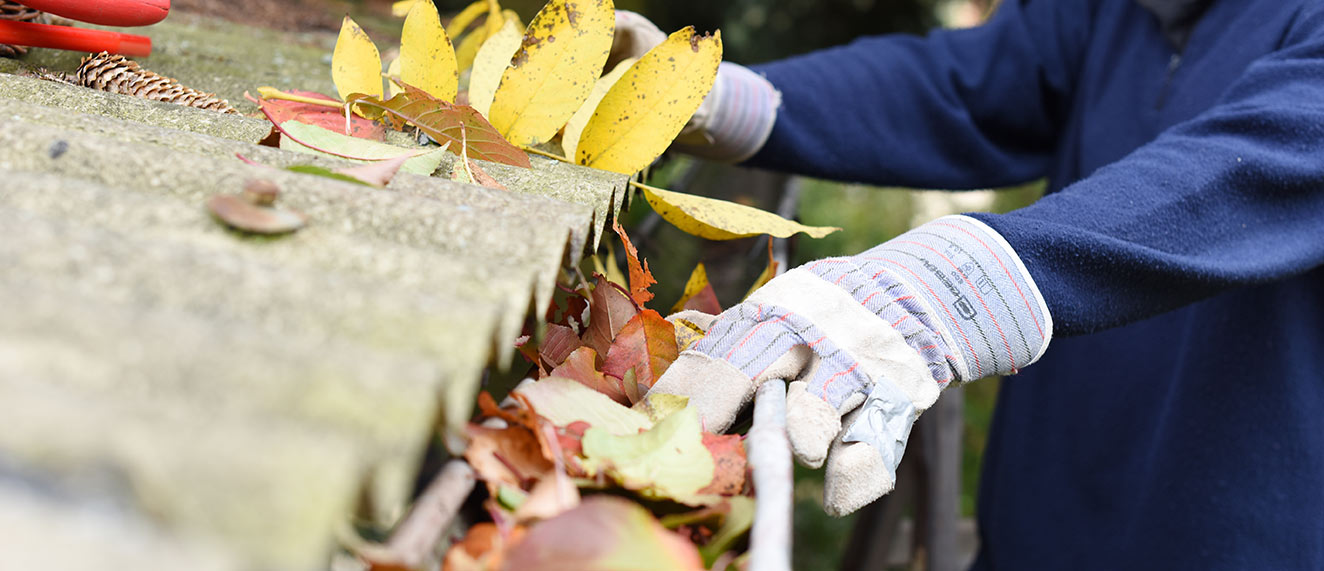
{"type": "Point", "coordinates": [734, 120]}
{"type": "Point", "coordinates": [868, 342]}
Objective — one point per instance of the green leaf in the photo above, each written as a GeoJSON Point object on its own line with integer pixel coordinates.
{"type": "Point", "coordinates": [315, 140]}
{"type": "Point", "coordinates": [564, 401]}
{"type": "Point", "coordinates": [669, 461]}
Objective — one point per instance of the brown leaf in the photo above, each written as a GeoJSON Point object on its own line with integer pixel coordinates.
{"type": "Point", "coordinates": [280, 111]}
{"type": "Point", "coordinates": [482, 548]}
{"type": "Point", "coordinates": [558, 344]}
{"type": "Point", "coordinates": [640, 277]}
{"type": "Point", "coordinates": [582, 366]}
{"type": "Point", "coordinates": [603, 534]}
{"type": "Point", "coordinates": [378, 173]}
{"type": "Point", "coordinates": [730, 463]}
{"type": "Point", "coordinates": [646, 345]}
{"type": "Point", "coordinates": [511, 455]}
{"type": "Point", "coordinates": [610, 308]}
{"type": "Point", "coordinates": [482, 178]}
{"type": "Point", "coordinates": [461, 125]}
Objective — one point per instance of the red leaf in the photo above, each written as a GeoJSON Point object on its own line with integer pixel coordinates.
{"type": "Point", "coordinates": [646, 345]}
{"type": "Point", "coordinates": [705, 301]}
{"type": "Point", "coordinates": [729, 464]}
{"type": "Point", "coordinates": [461, 125]}
{"type": "Point", "coordinates": [610, 308]}
{"type": "Point", "coordinates": [640, 277]}
{"type": "Point", "coordinates": [559, 343]}
{"type": "Point", "coordinates": [281, 110]}
{"type": "Point", "coordinates": [581, 367]}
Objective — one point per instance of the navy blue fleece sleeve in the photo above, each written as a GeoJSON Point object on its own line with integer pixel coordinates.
{"type": "Point", "coordinates": [1232, 197]}
{"type": "Point", "coordinates": [957, 109]}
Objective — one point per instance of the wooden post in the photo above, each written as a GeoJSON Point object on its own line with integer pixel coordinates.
{"type": "Point", "coordinates": [770, 460]}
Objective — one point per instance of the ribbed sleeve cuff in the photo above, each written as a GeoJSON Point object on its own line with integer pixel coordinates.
{"type": "Point", "coordinates": [741, 110]}
{"type": "Point", "coordinates": [976, 292]}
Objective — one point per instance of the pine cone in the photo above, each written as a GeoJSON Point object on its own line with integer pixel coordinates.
{"type": "Point", "coordinates": [118, 74]}
{"type": "Point", "coordinates": [18, 13]}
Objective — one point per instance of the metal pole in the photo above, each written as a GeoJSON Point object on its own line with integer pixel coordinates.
{"type": "Point", "coordinates": [770, 460]}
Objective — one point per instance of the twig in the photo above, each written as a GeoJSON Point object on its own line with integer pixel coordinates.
{"type": "Point", "coordinates": [770, 460]}
{"type": "Point", "coordinates": [543, 153]}
{"type": "Point", "coordinates": [424, 527]}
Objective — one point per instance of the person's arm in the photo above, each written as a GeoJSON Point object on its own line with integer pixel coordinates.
{"type": "Point", "coordinates": [957, 109]}
{"type": "Point", "coordinates": [1233, 197]}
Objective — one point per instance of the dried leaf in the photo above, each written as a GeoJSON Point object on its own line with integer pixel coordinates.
{"type": "Point", "coordinates": [640, 277]}
{"type": "Point", "coordinates": [687, 333]}
{"type": "Point", "coordinates": [730, 464]}
{"type": "Point", "coordinates": [646, 345]}
{"type": "Point", "coordinates": [280, 111]}
{"type": "Point", "coordinates": [558, 344]}
{"type": "Point", "coordinates": [448, 123]}
{"type": "Point", "coordinates": [491, 62]}
{"type": "Point", "coordinates": [668, 461]}
{"type": "Point", "coordinates": [581, 366]}
{"type": "Point", "coordinates": [427, 60]}
{"type": "Point", "coordinates": [574, 128]}
{"type": "Point", "coordinates": [554, 70]}
{"type": "Point", "coordinates": [401, 9]}
{"type": "Point", "coordinates": [318, 141]}
{"type": "Point", "coordinates": [356, 66]}
{"type": "Point", "coordinates": [610, 308]}
{"type": "Point", "coordinates": [721, 220]}
{"type": "Point", "coordinates": [647, 108]}
{"type": "Point", "coordinates": [660, 405]}
{"type": "Point", "coordinates": [769, 272]}
{"type": "Point", "coordinates": [549, 497]}
{"type": "Point", "coordinates": [564, 402]}
{"type": "Point", "coordinates": [699, 294]}
{"type": "Point", "coordinates": [241, 214]}
{"type": "Point", "coordinates": [483, 179]}
{"type": "Point", "coordinates": [482, 548]}
{"type": "Point", "coordinates": [476, 32]}
{"type": "Point", "coordinates": [466, 18]}
{"type": "Point", "coordinates": [603, 534]}
{"type": "Point", "coordinates": [511, 456]}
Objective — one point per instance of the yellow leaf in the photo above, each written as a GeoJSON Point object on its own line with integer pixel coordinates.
{"type": "Point", "coordinates": [721, 220]}
{"type": "Point", "coordinates": [575, 126]}
{"type": "Point", "coordinates": [769, 272]}
{"type": "Point", "coordinates": [356, 67]}
{"type": "Point", "coordinates": [393, 72]}
{"type": "Point", "coordinates": [648, 107]}
{"type": "Point", "coordinates": [554, 70]}
{"type": "Point", "coordinates": [461, 22]}
{"type": "Point", "coordinates": [492, 60]}
{"type": "Point", "coordinates": [427, 60]}
{"type": "Point", "coordinates": [698, 280]}
{"type": "Point", "coordinates": [401, 9]}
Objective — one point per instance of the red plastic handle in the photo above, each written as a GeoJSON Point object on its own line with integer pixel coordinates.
{"type": "Point", "coordinates": [77, 39]}
{"type": "Point", "coordinates": [106, 12]}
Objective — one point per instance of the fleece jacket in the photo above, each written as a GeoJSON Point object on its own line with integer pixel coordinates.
{"type": "Point", "coordinates": [1176, 420]}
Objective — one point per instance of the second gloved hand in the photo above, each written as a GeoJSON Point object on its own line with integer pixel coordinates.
{"type": "Point", "coordinates": [872, 338]}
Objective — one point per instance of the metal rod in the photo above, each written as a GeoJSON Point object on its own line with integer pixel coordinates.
{"type": "Point", "coordinates": [770, 460]}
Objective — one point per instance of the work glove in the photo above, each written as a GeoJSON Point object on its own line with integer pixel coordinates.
{"type": "Point", "coordinates": [736, 117]}
{"type": "Point", "coordinates": [867, 343]}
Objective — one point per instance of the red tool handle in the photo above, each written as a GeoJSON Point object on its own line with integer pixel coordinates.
{"type": "Point", "coordinates": [105, 12]}
{"type": "Point", "coordinates": [77, 39]}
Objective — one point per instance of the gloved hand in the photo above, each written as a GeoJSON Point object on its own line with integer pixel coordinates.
{"type": "Point", "coordinates": [873, 338]}
{"type": "Point", "coordinates": [736, 117]}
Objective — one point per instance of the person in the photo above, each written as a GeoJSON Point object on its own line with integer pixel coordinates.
{"type": "Point", "coordinates": [1167, 290]}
